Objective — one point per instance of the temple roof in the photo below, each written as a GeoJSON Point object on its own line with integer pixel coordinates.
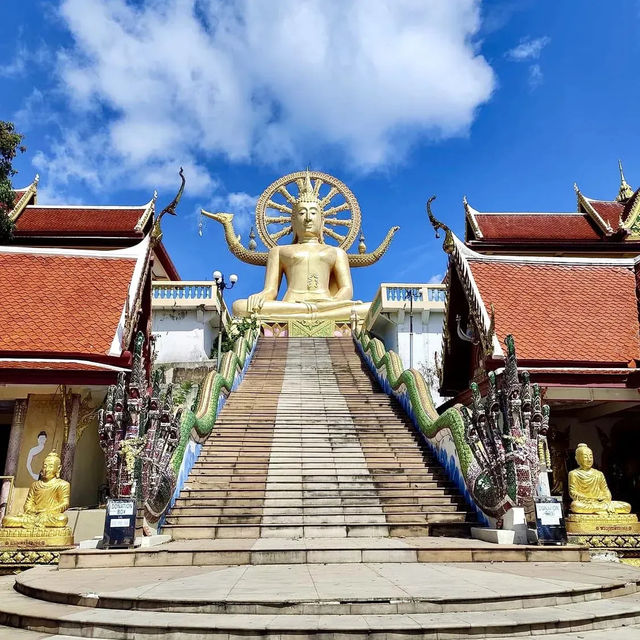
{"type": "Point", "coordinates": [23, 197]}
{"type": "Point", "coordinates": [69, 306]}
{"type": "Point", "coordinates": [519, 227]}
{"type": "Point", "coordinates": [53, 364]}
{"type": "Point", "coordinates": [86, 226]}
{"type": "Point", "coordinates": [83, 221]}
{"type": "Point", "coordinates": [616, 222]}
{"type": "Point", "coordinates": [561, 311]}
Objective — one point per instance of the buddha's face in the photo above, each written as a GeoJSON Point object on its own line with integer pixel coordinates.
{"type": "Point", "coordinates": [50, 468]}
{"type": "Point", "coordinates": [584, 457]}
{"type": "Point", "coordinates": [306, 220]}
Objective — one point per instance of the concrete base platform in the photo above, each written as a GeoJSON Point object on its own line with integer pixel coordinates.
{"type": "Point", "coordinates": [249, 551]}
{"type": "Point", "coordinates": [495, 536]}
{"type": "Point", "coordinates": [325, 602]}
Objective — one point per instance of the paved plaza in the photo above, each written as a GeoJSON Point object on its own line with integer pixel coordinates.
{"type": "Point", "coordinates": [437, 600]}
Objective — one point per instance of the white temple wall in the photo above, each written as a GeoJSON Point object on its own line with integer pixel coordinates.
{"type": "Point", "coordinates": [184, 335]}
{"type": "Point", "coordinates": [427, 341]}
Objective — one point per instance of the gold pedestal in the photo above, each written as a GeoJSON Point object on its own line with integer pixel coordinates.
{"type": "Point", "coordinates": [305, 328]}
{"type": "Point", "coordinates": [30, 538]}
{"type": "Point", "coordinates": [601, 525]}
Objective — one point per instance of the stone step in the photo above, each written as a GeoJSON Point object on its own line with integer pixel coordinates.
{"type": "Point", "coordinates": [262, 507]}
{"type": "Point", "coordinates": [152, 589]}
{"type": "Point", "coordinates": [296, 519]}
{"type": "Point", "coordinates": [192, 491]}
{"type": "Point", "coordinates": [346, 467]}
{"type": "Point", "coordinates": [315, 501]}
{"type": "Point", "coordinates": [323, 473]}
{"type": "Point", "coordinates": [253, 551]}
{"type": "Point", "coordinates": [319, 530]}
{"type": "Point", "coordinates": [327, 483]}
{"type": "Point", "coordinates": [607, 613]}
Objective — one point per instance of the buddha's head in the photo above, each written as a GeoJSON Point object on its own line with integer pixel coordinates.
{"type": "Point", "coordinates": [51, 466]}
{"type": "Point", "coordinates": [584, 456]}
{"type": "Point", "coordinates": [306, 214]}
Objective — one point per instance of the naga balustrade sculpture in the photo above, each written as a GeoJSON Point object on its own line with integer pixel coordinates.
{"type": "Point", "coordinates": [491, 451]}
{"type": "Point", "coordinates": [138, 431]}
{"type": "Point", "coordinates": [506, 432]}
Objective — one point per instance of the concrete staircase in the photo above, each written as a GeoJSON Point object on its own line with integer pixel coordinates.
{"type": "Point", "coordinates": [310, 446]}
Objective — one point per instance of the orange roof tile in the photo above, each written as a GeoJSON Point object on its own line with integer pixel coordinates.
{"type": "Point", "coordinates": [81, 221]}
{"type": "Point", "coordinates": [61, 304]}
{"type": "Point", "coordinates": [609, 210]}
{"type": "Point", "coordinates": [562, 311]}
{"type": "Point", "coordinates": [536, 226]}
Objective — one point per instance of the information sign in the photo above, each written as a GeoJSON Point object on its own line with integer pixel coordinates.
{"type": "Point", "coordinates": [119, 524]}
{"type": "Point", "coordinates": [550, 520]}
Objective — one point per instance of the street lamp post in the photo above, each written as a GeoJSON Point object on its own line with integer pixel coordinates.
{"type": "Point", "coordinates": [410, 295]}
{"type": "Point", "coordinates": [221, 285]}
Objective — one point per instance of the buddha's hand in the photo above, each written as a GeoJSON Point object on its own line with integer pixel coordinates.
{"type": "Point", "coordinates": [255, 302]}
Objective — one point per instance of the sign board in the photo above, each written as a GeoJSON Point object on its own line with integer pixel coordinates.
{"type": "Point", "coordinates": [119, 524]}
{"type": "Point", "coordinates": [550, 520]}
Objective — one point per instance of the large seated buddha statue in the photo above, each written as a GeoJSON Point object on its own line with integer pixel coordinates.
{"type": "Point", "coordinates": [592, 508]}
{"type": "Point", "coordinates": [43, 520]}
{"type": "Point", "coordinates": [318, 274]}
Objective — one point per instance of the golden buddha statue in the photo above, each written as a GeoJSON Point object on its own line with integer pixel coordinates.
{"type": "Point", "coordinates": [318, 277]}
{"type": "Point", "coordinates": [42, 521]}
{"type": "Point", "coordinates": [592, 508]}
{"type": "Point", "coordinates": [319, 285]}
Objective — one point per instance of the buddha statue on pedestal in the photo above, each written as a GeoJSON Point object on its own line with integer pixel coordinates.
{"type": "Point", "coordinates": [318, 277]}
{"type": "Point", "coordinates": [592, 508]}
{"type": "Point", "coordinates": [319, 285]}
{"type": "Point", "coordinates": [43, 521]}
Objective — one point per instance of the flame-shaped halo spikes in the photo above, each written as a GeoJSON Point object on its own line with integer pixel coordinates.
{"type": "Point", "coordinates": [340, 209]}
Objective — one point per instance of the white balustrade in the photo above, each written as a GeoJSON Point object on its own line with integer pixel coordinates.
{"type": "Point", "coordinates": [425, 296]}
{"type": "Point", "coordinates": [183, 290]}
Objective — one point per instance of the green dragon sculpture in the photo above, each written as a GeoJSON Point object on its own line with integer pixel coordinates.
{"type": "Point", "coordinates": [454, 435]}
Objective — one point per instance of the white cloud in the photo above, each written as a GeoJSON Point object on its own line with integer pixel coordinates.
{"type": "Point", "coordinates": [80, 156]}
{"type": "Point", "coordinates": [242, 205]}
{"type": "Point", "coordinates": [24, 58]}
{"type": "Point", "coordinates": [270, 82]}
{"type": "Point", "coordinates": [535, 76]}
{"type": "Point", "coordinates": [528, 49]}
{"type": "Point", "coordinates": [436, 278]}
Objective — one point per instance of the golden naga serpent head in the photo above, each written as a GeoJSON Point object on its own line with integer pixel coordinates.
{"type": "Point", "coordinates": [312, 187]}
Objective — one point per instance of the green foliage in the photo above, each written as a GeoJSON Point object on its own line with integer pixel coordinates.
{"type": "Point", "coordinates": [236, 328]}
{"type": "Point", "coordinates": [180, 395]}
{"type": "Point", "coordinates": [10, 144]}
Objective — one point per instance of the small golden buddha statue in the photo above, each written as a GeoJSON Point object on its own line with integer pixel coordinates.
{"type": "Point", "coordinates": [318, 276]}
{"type": "Point", "coordinates": [42, 521]}
{"type": "Point", "coordinates": [592, 508]}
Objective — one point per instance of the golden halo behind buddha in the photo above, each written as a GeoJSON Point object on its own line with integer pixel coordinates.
{"type": "Point", "coordinates": [339, 207]}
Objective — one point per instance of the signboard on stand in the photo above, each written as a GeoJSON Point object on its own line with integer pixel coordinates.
{"type": "Point", "coordinates": [550, 520]}
{"type": "Point", "coordinates": [119, 524]}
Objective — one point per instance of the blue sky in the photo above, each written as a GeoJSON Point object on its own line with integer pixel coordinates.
{"type": "Point", "coordinates": [508, 103]}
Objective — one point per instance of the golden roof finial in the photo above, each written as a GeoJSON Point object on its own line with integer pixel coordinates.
{"type": "Point", "coordinates": [625, 191]}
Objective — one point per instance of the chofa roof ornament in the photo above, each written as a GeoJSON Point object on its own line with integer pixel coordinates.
{"type": "Point", "coordinates": [448, 243]}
